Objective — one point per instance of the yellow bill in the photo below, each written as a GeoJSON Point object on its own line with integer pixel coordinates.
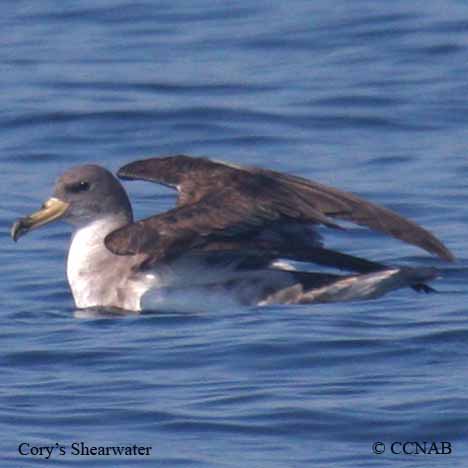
{"type": "Point", "coordinates": [51, 210]}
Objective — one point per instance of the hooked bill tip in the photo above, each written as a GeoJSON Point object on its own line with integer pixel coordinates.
{"type": "Point", "coordinates": [17, 230]}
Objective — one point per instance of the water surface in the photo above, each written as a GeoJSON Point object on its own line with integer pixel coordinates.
{"type": "Point", "coordinates": [371, 100]}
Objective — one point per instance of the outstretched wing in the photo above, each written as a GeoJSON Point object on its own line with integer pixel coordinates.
{"type": "Point", "coordinates": [193, 178]}
{"type": "Point", "coordinates": [364, 213]}
{"type": "Point", "coordinates": [227, 216]}
{"type": "Point", "coordinates": [219, 201]}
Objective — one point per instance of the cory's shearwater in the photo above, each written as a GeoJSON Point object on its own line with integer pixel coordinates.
{"type": "Point", "coordinates": [229, 234]}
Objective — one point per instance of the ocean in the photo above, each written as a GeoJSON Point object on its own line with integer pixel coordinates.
{"type": "Point", "coordinates": [366, 96]}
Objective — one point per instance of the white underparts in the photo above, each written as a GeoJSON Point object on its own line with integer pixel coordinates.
{"type": "Point", "coordinates": [96, 276]}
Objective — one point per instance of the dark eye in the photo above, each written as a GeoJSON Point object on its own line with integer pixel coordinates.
{"type": "Point", "coordinates": [78, 187]}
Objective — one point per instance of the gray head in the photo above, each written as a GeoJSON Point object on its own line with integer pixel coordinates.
{"type": "Point", "coordinates": [81, 195]}
{"type": "Point", "coordinates": [91, 192]}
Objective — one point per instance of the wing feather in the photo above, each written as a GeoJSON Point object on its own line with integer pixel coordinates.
{"type": "Point", "coordinates": [219, 201]}
{"type": "Point", "coordinates": [343, 205]}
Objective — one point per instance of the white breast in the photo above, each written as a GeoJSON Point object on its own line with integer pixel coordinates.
{"type": "Point", "coordinates": [96, 276]}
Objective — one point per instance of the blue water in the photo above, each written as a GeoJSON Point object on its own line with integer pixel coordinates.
{"type": "Point", "coordinates": [369, 97]}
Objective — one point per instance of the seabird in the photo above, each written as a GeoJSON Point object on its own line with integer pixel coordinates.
{"type": "Point", "coordinates": [230, 233]}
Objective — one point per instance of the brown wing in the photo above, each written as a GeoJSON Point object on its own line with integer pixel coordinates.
{"type": "Point", "coordinates": [227, 200]}
{"type": "Point", "coordinates": [364, 213]}
{"type": "Point", "coordinates": [194, 178]}
{"type": "Point", "coordinates": [227, 215]}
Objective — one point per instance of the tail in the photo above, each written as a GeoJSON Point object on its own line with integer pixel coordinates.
{"type": "Point", "coordinates": [320, 287]}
